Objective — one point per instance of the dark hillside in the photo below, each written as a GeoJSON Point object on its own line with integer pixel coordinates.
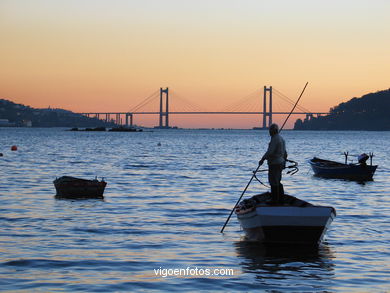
{"type": "Point", "coordinates": [369, 112]}
{"type": "Point", "coordinates": [21, 115]}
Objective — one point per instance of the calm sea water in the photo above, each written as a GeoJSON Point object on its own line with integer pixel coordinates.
{"type": "Point", "coordinates": [165, 205]}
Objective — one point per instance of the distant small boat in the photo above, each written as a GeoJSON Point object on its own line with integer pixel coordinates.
{"type": "Point", "coordinates": [125, 129]}
{"type": "Point", "coordinates": [88, 129]}
{"type": "Point", "coordinates": [293, 222]}
{"type": "Point", "coordinates": [331, 169]}
{"type": "Point", "coordinates": [96, 129]}
{"type": "Point", "coordinates": [71, 187]}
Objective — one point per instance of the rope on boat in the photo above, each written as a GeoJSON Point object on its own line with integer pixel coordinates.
{"type": "Point", "coordinates": [294, 169]}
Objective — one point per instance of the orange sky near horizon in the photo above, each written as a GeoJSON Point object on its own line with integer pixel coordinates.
{"type": "Point", "coordinates": [100, 55]}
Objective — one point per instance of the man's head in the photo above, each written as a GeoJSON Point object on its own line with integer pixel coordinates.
{"type": "Point", "coordinates": [273, 129]}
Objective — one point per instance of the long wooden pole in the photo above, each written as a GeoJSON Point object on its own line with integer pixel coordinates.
{"type": "Point", "coordinates": [242, 194]}
{"type": "Point", "coordinates": [257, 169]}
{"type": "Point", "coordinates": [296, 103]}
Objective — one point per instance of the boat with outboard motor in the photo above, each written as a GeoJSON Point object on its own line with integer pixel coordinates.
{"type": "Point", "coordinates": [294, 221]}
{"type": "Point", "coordinates": [72, 187]}
{"type": "Point", "coordinates": [354, 171]}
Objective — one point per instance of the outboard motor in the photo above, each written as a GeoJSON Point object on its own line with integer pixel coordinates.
{"type": "Point", "coordinates": [363, 158]}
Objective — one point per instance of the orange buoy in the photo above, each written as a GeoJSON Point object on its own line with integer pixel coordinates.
{"type": "Point", "coordinates": [14, 148]}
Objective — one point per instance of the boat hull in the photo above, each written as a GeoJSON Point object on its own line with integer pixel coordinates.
{"type": "Point", "coordinates": [286, 224]}
{"type": "Point", "coordinates": [70, 187]}
{"type": "Point", "coordinates": [329, 169]}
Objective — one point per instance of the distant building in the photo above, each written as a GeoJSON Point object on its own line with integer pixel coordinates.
{"type": "Point", "coordinates": [27, 123]}
{"type": "Point", "coordinates": [6, 123]}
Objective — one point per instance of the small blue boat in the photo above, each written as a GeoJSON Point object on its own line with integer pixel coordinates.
{"type": "Point", "coordinates": [330, 169]}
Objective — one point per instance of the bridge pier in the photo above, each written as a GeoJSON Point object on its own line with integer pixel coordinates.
{"type": "Point", "coordinates": [129, 115]}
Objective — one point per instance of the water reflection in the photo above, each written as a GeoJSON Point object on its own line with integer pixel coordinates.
{"type": "Point", "coordinates": [345, 180]}
{"type": "Point", "coordinates": [77, 199]}
{"type": "Point", "coordinates": [287, 267]}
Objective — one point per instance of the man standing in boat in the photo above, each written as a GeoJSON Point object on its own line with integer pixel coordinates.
{"type": "Point", "coordinates": [276, 157]}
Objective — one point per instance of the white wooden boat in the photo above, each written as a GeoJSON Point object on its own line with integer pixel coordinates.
{"type": "Point", "coordinates": [293, 222]}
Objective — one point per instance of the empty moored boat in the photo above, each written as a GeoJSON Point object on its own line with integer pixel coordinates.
{"type": "Point", "coordinates": [293, 222]}
{"type": "Point", "coordinates": [331, 169]}
{"type": "Point", "coordinates": [71, 187]}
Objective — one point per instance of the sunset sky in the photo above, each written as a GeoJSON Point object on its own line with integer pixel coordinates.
{"type": "Point", "coordinates": [101, 55]}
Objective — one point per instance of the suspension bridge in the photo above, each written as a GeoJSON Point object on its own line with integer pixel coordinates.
{"type": "Point", "coordinates": [164, 103]}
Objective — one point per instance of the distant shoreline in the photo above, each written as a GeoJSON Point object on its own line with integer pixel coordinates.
{"type": "Point", "coordinates": [148, 129]}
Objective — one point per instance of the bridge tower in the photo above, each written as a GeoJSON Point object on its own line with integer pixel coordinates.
{"type": "Point", "coordinates": [162, 112]}
{"type": "Point", "coordinates": [265, 112]}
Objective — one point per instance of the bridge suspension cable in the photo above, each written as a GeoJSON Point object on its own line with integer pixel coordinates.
{"type": "Point", "coordinates": [253, 102]}
{"type": "Point", "coordinates": [145, 101]}
{"type": "Point", "coordinates": [183, 102]}
{"type": "Point", "coordinates": [249, 103]}
{"type": "Point", "coordinates": [288, 100]}
{"type": "Point", "coordinates": [245, 103]}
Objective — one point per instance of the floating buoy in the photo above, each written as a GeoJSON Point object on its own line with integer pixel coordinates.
{"type": "Point", "coordinates": [14, 148]}
{"type": "Point", "coordinates": [159, 144]}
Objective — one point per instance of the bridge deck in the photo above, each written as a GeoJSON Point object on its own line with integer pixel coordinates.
{"type": "Point", "coordinates": [193, 113]}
